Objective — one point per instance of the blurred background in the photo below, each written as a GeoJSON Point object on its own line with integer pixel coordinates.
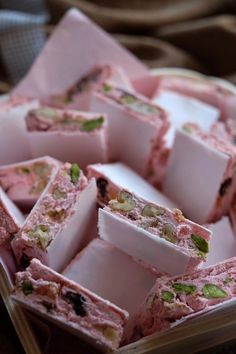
{"type": "Point", "coordinates": [193, 34]}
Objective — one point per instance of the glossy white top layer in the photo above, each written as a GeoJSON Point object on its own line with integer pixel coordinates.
{"type": "Point", "coordinates": [223, 242]}
{"type": "Point", "coordinates": [125, 178]}
{"type": "Point", "coordinates": [184, 109]}
{"type": "Point", "coordinates": [113, 275]}
{"type": "Point", "coordinates": [194, 175]}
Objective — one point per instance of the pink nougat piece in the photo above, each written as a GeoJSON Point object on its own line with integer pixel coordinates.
{"type": "Point", "coordinates": [11, 219]}
{"type": "Point", "coordinates": [14, 146]}
{"type": "Point", "coordinates": [112, 178]}
{"type": "Point", "coordinates": [135, 126]}
{"type": "Point", "coordinates": [179, 298]}
{"type": "Point", "coordinates": [68, 135]}
{"type": "Point", "coordinates": [200, 175]}
{"type": "Point", "coordinates": [223, 241]}
{"type": "Point", "coordinates": [100, 263]}
{"type": "Point", "coordinates": [202, 89]}
{"type": "Point", "coordinates": [57, 226]}
{"type": "Point", "coordinates": [160, 237]}
{"type": "Point", "coordinates": [25, 181]}
{"type": "Point", "coordinates": [75, 40]}
{"type": "Point", "coordinates": [78, 96]}
{"type": "Point", "coordinates": [182, 109]}
{"type": "Point", "coordinates": [70, 305]}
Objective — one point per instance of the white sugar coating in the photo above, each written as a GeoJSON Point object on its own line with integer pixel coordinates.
{"type": "Point", "coordinates": [132, 136]}
{"type": "Point", "coordinates": [155, 239]}
{"type": "Point", "coordinates": [124, 177]}
{"type": "Point", "coordinates": [223, 242]}
{"type": "Point", "coordinates": [194, 174]}
{"type": "Point", "coordinates": [13, 135]}
{"type": "Point", "coordinates": [100, 263]}
{"type": "Point", "coordinates": [184, 109]}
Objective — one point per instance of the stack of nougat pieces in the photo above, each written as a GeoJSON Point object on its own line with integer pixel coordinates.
{"type": "Point", "coordinates": [118, 200]}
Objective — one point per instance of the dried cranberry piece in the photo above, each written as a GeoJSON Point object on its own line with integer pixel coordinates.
{"type": "Point", "coordinates": [77, 301]}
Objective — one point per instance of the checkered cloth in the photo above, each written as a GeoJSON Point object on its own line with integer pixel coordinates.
{"type": "Point", "coordinates": [21, 34]}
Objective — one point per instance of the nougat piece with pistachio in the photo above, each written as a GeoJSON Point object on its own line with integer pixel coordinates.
{"type": "Point", "coordinates": [113, 177]}
{"type": "Point", "coordinates": [211, 92]}
{"type": "Point", "coordinates": [201, 174]}
{"type": "Point", "coordinates": [79, 94]}
{"type": "Point", "coordinates": [160, 237]}
{"type": "Point", "coordinates": [57, 226]}
{"type": "Point", "coordinates": [135, 126]}
{"type": "Point", "coordinates": [179, 298]}
{"type": "Point", "coordinates": [25, 181]}
{"type": "Point", "coordinates": [68, 135]}
{"type": "Point", "coordinates": [70, 305]}
{"type": "Point", "coordinates": [183, 110]}
{"type": "Point", "coordinates": [14, 145]}
{"type": "Point", "coordinates": [11, 218]}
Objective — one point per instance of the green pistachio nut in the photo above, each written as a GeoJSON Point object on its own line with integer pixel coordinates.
{"type": "Point", "coordinates": [128, 99]}
{"type": "Point", "coordinates": [27, 287]}
{"type": "Point", "coordinates": [145, 108]}
{"type": "Point", "coordinates": [167, 296]}
{"type": "Point", "coordinates": [124, 202]}
{"type": "Point", "coordinates": [106, 88]}
{"type": "Point", "coordinates": [90, 125]}
{"type": "Point", "coordinates": [186, 128]}
{"type": "Point", "coordinates": [58, 194]}
{"type": "Point", "coordinates": [212, 291]}
{"type": "Point", "coordinates": [42, 234]}
{"type": "Point", "coordinates": [200, 243]}
{"type": "Point", "coordinates": [74, 173]}
{"type": "Point", "coordinates": [152, 210]}
{"type": "Point", "coordinates": [184, 288]}
{"type": "Point", "coordinates": [25, 170]}
{"type": "Point", "coordinates": [168, 233]}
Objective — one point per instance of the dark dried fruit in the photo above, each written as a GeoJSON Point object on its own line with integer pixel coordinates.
{"type": "Point", "coordinates": [225, 186]}
{"type": "Point", "coordinates": [84, 82]}
{"type": "Point", "coordinates": [102, 186]}
{"type": "Point", "coordinates": [24, 261]}
{"type": "Point", "coordinates": [25, 170]}
{"type": "Point", "coordinates": [78, 303]}
{"type": "Point", "coordinates": [48, 305]}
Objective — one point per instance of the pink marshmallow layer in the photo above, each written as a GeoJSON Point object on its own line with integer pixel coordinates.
{"type": "Point", "coordinates": [25, 181]}
{"type": "Point", "coordinates": [175, 298]}
{"type": "Point", "coordinates": [46, 292]}
{"type": "Point", "coordinates": [53, 225]}
{"type": "Point", "coordinates": [161, 231]}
